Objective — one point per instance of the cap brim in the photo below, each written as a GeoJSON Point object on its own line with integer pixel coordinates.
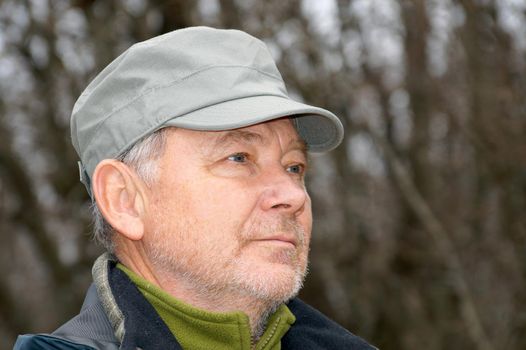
{"type": "Point", "coordinates": [319, 128]}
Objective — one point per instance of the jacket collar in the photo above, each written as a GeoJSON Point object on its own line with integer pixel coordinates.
{"type": "Point", "coordinates": [135, 322]}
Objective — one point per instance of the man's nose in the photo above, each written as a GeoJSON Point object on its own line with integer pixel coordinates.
{"type": "Point", "coordinates": [283, 192]}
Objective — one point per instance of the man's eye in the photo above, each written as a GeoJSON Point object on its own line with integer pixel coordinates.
{"type": "Point", "coordinates": [238, 157]}
{"type": "Point", "coordinates": [296, 169]}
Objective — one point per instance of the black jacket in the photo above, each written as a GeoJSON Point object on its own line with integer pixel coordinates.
{"type": "Point", "coordinates": [115, 315]}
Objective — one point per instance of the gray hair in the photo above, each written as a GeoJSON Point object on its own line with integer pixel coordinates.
{"type": "Point", "coordinates": [142, 157]}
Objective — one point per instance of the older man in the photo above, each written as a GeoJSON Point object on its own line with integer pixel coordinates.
{"type": "Point", "coordinates": [195, 157]}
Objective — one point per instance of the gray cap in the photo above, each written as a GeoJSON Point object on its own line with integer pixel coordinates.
{"type": "Point", "coordinates": [195, 78]}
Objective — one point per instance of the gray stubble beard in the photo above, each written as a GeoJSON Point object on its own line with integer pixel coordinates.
{"type": "Point", "coordinates": [217, 284]}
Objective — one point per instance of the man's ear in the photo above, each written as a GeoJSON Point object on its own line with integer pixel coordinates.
{"type": "Point", "coordinates": [120, 196]}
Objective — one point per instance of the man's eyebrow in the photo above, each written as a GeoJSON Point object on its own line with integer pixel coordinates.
{"type": "Point", "coordinates": [251, 138]}
{"type": "Point", "coordinates": [237, 136]}
{"type": "Point", "coordinates": [301, 145]}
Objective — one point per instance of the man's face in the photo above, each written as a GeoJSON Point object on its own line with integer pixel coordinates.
{"type": "Point", "coordinates": [229, 211]}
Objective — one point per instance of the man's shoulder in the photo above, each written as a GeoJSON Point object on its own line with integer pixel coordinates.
{"type": "Point", "coordinates": [76, 334]}
{"type": "Point", "coordinates": [47, 341]}
{"type": "Point", "coordinates": [90, 323]}
{"type": "Point", "coordinates": [314, 330]}
{"type": "Point", "coordinates": [89, 330]}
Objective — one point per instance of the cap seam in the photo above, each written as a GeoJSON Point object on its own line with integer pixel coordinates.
{"type": "Point", "coordinates": [167, 85]}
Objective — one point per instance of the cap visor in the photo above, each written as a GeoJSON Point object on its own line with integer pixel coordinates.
{"type": "Point", "coordinates": [321, 130]}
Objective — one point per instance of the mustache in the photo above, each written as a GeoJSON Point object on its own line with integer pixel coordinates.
{"type": "Point", "coordinates": [262, 228]}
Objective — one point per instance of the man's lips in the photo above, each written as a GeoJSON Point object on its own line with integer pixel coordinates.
{"type": "Point", "coordinates": [279, 239]}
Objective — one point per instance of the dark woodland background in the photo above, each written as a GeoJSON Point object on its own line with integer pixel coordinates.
{"type": "Point", "coordinates": [420, 234]}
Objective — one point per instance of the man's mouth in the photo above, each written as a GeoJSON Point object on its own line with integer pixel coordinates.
{"type": "Point", "coordinates": [280, 239]}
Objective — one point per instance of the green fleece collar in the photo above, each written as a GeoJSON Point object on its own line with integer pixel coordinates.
{"type": "Point", "coordinates": [199, 329]}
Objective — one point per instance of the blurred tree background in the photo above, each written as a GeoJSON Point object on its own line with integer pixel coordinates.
{"type": "Point", "coordinates": [420, 215]}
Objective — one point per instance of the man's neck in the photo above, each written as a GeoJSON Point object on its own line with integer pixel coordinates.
{"type": "Point", "coordinates": [223, 300]}
{"type": "Point", "coordinates": [211, 299]}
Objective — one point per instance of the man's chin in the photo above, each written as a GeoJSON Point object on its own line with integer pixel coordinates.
{"type": "Point", "coordinates": [273, 281]}
{"type": "Point", "coordinates": [274, 253]}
